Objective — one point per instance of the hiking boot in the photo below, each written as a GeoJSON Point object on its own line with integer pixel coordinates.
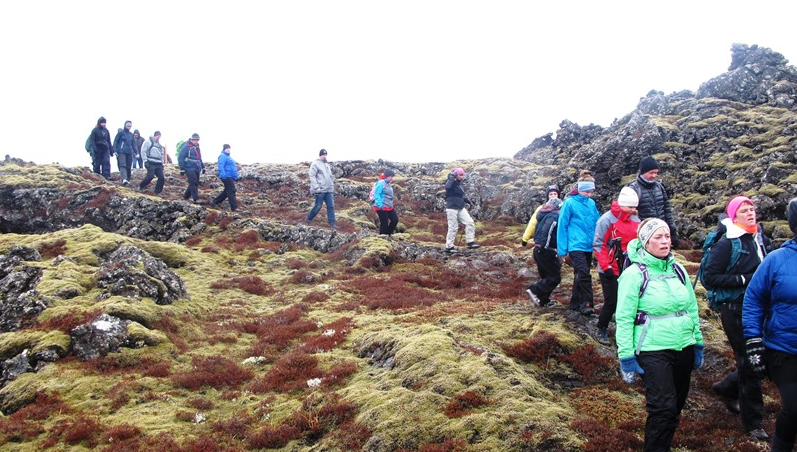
{"type": "Point", "coordinates": [731, 403]}
{"type": "Point", "coordinates": [125, 182]}
{"type": "Point", "coordinates": [587, 310]}
{"type": "Point", "coordinates": [602, 336]}
{"type": "Point", "coordinates": [758, 434]}
{"type": "Point", "coordinates": [534, 298]}
{"type": "Point", "coordinates": [473, 245]}
{"type": "Point", "coordinates": [451, 250]}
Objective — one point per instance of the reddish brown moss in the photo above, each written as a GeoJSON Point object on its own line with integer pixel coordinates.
{"type": "Point", "coordinates": [449, 445]}
{"type": "Point", "coordinates": [541, 347]}
{"type": "Point", "coordinates": [213, 371]}
{"type": "Point", "coordinates": [49, 250]}
{"type": "Point", "coordinates": [464, 403]}
{"type": "Point", "coordinates": [272, 437]}
{"type": "Point", "coordinates": [591, 365]}
{"type": "Point", "coordinates": [333, 334]}
{"type": "Point", "coordinates": [250, 284]}
{"type": "Point", "coordinates": [290, 373]}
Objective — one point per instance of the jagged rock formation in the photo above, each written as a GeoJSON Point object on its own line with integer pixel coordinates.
{"type": "Point", "coordinates": [101, 336]}
{"type": "Point", "coordinates": [131, 272]}
{"type": "Point", "coordinates": [20, 302]}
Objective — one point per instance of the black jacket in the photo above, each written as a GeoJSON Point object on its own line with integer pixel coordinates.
{"type": "Point", "coordinates": [101, 139]}
{"type": "Point", "coordinates": [654, 203]}
{"type": "Point", "coordinates": [715, 273]}
{"type": "Point", "coordinates": [455, 194]}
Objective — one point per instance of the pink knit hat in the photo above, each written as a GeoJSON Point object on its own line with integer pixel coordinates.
{"type": "Point", "coordinates": [734, 205]}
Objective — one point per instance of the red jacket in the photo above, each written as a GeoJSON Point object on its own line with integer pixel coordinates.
{"type": "Point", "coordinates": [614, 224]}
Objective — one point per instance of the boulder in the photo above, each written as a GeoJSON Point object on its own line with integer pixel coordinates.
{"type": "Point", "coordinates": [103, 335]}
{"type": "Point", "coordinates": [131, 272]}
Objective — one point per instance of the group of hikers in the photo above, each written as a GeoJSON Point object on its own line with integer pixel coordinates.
{"type": "Point", "coordinates": [130, 148]}
{"type": "Point", "coordinates": [652, 298]}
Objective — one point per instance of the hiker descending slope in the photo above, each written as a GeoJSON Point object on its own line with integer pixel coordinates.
{"type": "Point", "coordinates": [531, 227]}
{"type": "Point", "coordinates": [658, 330]}
{"type": "Point", "coordinates": [383, 203]}
{"type": "Point", "coordinates": [769, 316]}
{"type": "Point", "coordinates": [103, 150]}
{"type": "Point", "coordinates": [152, 152]}
{"type": "Point", "coordinates": [730, 267]}
{"type": "Point", "coordinates": [548, 264]}
{"type": "Point", "coordinates": [322, 187]}
{"type": "Point", "coordinates": [189, 158]}
{"type": "Point", "coordinates": [228, 173]}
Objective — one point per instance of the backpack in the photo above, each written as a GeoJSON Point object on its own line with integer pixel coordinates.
{"type": "Point", "coordinates": [89, 144]}
{"type": "Point", "coordinates": [547, 223]}
{"type": "Point", "coordinates": [679, 272]}
{"type": "Point", "coordinates": [717, 296]}
{"type": "Point", "coordinates": [373, 191]}
{"type": "Point", "coordinates": [179, 146]}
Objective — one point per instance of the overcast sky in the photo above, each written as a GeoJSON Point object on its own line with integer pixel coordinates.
{"type": "Point", "coordinates": [412, 81]}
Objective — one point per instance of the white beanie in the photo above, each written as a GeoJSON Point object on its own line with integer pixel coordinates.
{"type": "Point", "coordinates": [628, 197]}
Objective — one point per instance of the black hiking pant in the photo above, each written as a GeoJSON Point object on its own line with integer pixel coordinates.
{"type": "Point", "coordinates": [550, 269]}
{"type": "Point", "coordinates": [228, 193]}
{"type": "Point", "coordinates": [102, 163]}
{"type": "Point", "coordinates": [193, 185]}
{"type": "Point", "coordinates": [609, 287]}
{"type": "Point", "coordinates": [741, 384]}
{"type": "Point", "coordinates": [666, 378]}
{"type": "Point", "coordinates": [782, 370]}
{"type": "Point", "coordinates": [153, 170]}
{"type": "Point", "coordinates": [582, 280]}
{"type": "Point", "coordinates": [388, 219]}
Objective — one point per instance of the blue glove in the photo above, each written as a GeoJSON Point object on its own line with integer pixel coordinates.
{"type": "Point", "coordinates": [698, 356]}
{"type": "Point", "coordinates": [629, 367]}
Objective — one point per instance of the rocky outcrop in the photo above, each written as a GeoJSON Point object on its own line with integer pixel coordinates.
{"type": "Point", "coordinates": [131, 272]}
{"type": "Point", "coordinates": [20, 302]}
{"type": "Point", "coordinates": [103, 335]}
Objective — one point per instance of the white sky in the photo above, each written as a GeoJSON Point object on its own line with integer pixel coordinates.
{"type": "Point", "coordinates": [412, 80]}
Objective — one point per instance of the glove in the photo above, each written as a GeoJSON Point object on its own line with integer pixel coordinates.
{"type": "Point", "coordinates": [609, 273]}
{"type": "Point", "coordinates": [203, 170]}
{"type": "Point", "coordinates": [523, 243]}
{"type": "Point", "coordinates": [629, 368]}
{"type": "Point", "coordinates": [182, 172]}
{"type": "Point", "coordinates": [754, 348]}
{"type": "Point", "coordinates": [698, 356]}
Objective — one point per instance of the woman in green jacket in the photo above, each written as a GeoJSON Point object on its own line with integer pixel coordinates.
{"type": "Point", "coordinates": [658, 330]}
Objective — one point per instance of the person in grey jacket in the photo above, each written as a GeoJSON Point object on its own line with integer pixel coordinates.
{"type": "Point", "coordinates": [152, 153]}
{"type": "Point", "coordinates": [322, 187]}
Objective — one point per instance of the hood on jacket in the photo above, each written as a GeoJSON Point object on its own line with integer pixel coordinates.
{"type": "Point", "coordinates": [620, 214]}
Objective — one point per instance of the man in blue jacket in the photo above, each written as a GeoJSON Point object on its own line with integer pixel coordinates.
{"type": "Point", "coordinates": [189, 158]}
{"type": "Point", "coordinates": [228, 173]}
{"type": "Point", "coordinates": [577, 220]}
{"type": "Point", "coordinates": [769, 316]}
{"type": "Point", "coordinates": [123, 145]}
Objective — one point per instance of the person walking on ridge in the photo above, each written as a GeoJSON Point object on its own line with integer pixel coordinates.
{"type": "Point", "coordinates": [456, 212]}
{"type": "Point", "coordinates": [123, 145]}
{"type": "Point", "coordinates": [228, 173]}
{"type": "Point", "coordinates": [383, 203]}
{"type": "Point", "coordinates": [152, 152]}
{"type": "Point", "coordinates": [190, 161]}
{"type": "Point", "coordinates": [138, 141]}
{"type": "Point", "coordinates": [103, 150]}
{"type": "Point", "coordinates": [322, 187]}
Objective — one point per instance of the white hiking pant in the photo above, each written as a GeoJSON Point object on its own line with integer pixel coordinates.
{"type": "Point", "coordinates": [454, 218]}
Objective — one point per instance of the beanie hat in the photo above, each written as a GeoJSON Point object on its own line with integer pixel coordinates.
{"type": "Point", "coordinates": [734, 205]}
{"type": "Point", "coordinates": [128, 123]}
{"type": "Point", "coordinates": [195, 136]}
{"type": "Point", "coordinates": [226, 146]}
{"type": "Point", "coordinates": [389, 172]}
{"type": "Point", "coordinates": [101, 120]}
{"type": "Point", "coordinates": [553, 188]}
{"type": "Point", "coordinates": [458, 171]}
{"type": "Point", "coordinates": [556, 202]}
{"type": "Point", "coordinates": [792, 215]}
{"type": "Point", "coordinates": [322, 152]}
{"type": "Point", "coordinates": [628, 197]}
{"type": "Point", "coordinates": [648, 227]}
{"type": "Point", "coordinates": [586, 185]}
{"type": "Point", "coordinates": [157, 133]}
{"type": "Point", "coordinates": [647, 164]}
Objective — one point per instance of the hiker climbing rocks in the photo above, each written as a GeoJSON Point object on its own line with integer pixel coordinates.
{"type": "Point", "coordinates": [190, 161]}
{"type": "Point", "coordinates": [731, 263]}
{"type": "Point", "coordinates": [653, 199]}
{"type": "Point", "coordinates": [658, 330]}
{"type": "Point", "coordinates": [615, 229]}
{"type": "Point", "coordinates": [574, 235]}
{"type": "Point", "coordinates": [456, 212]}
{"type": "Point", "coordinates": [228, 173]}
{"type": "Point", "coordinates": [769, 314]}
{"type": "Point", "coordinates": [322, 187]}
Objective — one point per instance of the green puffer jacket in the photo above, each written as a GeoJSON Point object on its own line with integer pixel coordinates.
{"type": "Point", "coordinates": [665, 294]}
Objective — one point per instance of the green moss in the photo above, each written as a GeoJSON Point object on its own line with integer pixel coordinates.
{"type": "Point", "coordinates": [141, 335]}
{"type": "Point", "coordinates": [13, 343]}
